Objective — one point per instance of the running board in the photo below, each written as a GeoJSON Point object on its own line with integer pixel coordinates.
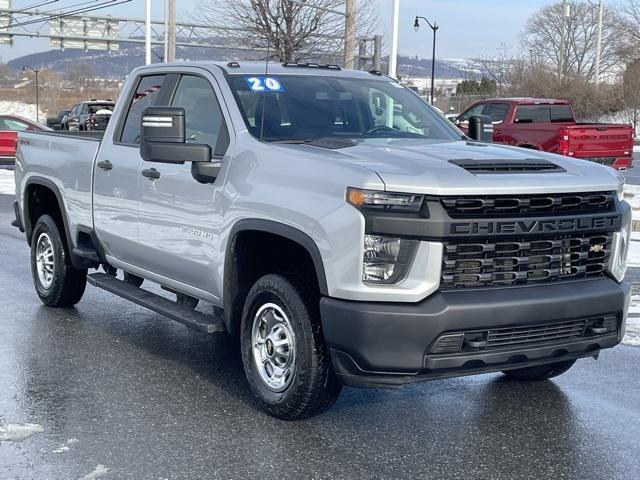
{"type": "Point", "coordinates": [187, 316]}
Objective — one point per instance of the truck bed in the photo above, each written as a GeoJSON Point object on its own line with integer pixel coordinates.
{"type": "Point", "coordinates": [609, 144]}
{"type": "Point", "coordinates": [64, 159]}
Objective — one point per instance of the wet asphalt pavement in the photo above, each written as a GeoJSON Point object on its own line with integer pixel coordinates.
{"type": "Point", "coordinates": [117, 386]}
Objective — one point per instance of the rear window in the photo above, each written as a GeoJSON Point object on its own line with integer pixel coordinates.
{"type": "Point", "coordinates": [497, 112]}
{"type": "Point", "coordinates": [96, 107]}
{"type": "Point", "coordinates": [543, 114]}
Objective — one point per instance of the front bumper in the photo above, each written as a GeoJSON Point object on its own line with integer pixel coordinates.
{"type": "Point", "coordinates": [386, 344]}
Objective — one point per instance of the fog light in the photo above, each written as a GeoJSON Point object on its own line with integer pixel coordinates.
{"type": "Point", "coordinates": [386, 259]}
{"type": "Point", "coordinates": [618, 261]}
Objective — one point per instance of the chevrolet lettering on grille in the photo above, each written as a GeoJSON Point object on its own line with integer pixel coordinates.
{"type": "Point", "coordinates": [554, 225]}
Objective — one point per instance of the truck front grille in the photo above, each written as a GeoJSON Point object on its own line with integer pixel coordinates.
{"type": "Point", "coordinates": [523, 336]}
{"type": "Point", "coordinates": [517, 205]}
{"type": "Point", "coordinates": [490, 263]}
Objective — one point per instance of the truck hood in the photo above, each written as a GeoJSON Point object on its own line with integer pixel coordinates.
{"type": "Point", "coordinates": [413, 166]}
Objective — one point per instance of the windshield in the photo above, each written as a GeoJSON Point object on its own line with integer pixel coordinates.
{"type": "Point", "coordinates": [298, 108]}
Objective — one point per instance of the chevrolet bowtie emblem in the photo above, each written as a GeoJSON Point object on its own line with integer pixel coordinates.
{"type": "Point", "coordinates": [598, 247]}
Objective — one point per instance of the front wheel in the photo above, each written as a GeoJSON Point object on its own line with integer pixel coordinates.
{"type": "Point", "coordinates": [539, 372]}
{"type": "Point", "coordinates": [285, 358]}
{"type": "Point", "coordinates": [57, 282]}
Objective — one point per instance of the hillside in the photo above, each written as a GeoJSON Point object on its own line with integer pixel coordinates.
{"type": "Point", "coordinates": [119, 64]}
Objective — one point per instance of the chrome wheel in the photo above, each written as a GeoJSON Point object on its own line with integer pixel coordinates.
{"type": "Point", "coordinates": [45, 261]}
{"type": "Point", "coordinates": [273, 347]}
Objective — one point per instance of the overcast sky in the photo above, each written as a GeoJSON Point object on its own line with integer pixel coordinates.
{"type": "Point", "coordinates": [468, 28]}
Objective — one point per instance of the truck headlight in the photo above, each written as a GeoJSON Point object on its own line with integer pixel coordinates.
{"type": "Point", "coordinates": [384, 201]}
{"type": "Point", "coordinates": [386, 259]}
{"type": "Point", "coordinates": [618, 260]}
{"type": "Point", "coordinates": [620, 187]}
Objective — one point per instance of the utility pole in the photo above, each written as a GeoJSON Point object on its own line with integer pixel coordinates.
{"type": "Point", "coordinates": [170, 31]}
{"type": "Point", "coordinates": [598, 44]}
{"type": "Point", "coordinates": [35, 71]}
{"type": "Point", "coordinates": [147, 35]}
{"type": "Point", "coordinates": [349, 33]}
{"type": "Point", "coordinates": [393, 56]}
{"type": "Point", "coordinates": [566, 13]}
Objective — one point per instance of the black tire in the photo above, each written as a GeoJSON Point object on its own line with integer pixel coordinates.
{"type": "Point", "coordinates": [66, 284]}
{"type": "Point", "coordinates": [312, 386]}
{"type": "Point", "coordinates": [540, 372]}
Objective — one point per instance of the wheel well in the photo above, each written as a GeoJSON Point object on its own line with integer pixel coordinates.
{"type": "Point", "coordinates": [41, 200]}
{"type": "Point", "coordinates": [253, 254]}
{"type": "Point", "coordinates": [530, 147]}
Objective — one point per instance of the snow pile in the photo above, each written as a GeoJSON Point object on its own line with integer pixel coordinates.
{"type": "Point", "coordinates": [7, 184]}
{"type": "Point", "coordinates": [26, 110]}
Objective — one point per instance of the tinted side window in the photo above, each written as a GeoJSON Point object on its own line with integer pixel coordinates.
{"type": "Point", "coordinates": [497, 112]}
{"type": "Point", "coordinates": [203, 118]}
{"type": "Point", "coordinates": [533, 114]}
{"type": "Point", "coordinates": [145, 96]}
{"type": "Point", "coordinates": [11, 124]}
{"type": "Point", "coordinates": [561, 113]}
{"type": "Point", "coordinates": [476, 110]}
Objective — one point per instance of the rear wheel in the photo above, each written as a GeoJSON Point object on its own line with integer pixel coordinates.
{"type": "Point", "coordinates": [285, 358]}
{"type": "Point", "coordinates": [540, 372]}
{"type": "Point", "coordinates": [57, 282]}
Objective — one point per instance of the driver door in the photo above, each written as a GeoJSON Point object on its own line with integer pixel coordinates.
{"type": "Point", "coordinates": [179, 218]}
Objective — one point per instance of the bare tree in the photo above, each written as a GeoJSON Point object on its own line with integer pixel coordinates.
{"type": "Point", "coordinates": [629, 26]}
{"type": "Point", "coordinates": [80, 75]}
{"type": "Point", "coordinates": [631, 89]}
{"type": "Point", "coordinates": [543, 39]}
{"type": "Point", "coordinates": [292, 30]}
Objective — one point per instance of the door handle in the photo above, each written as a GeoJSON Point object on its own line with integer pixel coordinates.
{"type": "Point", "coordinates": [151, 173]}
{"type": "Point", "coordinates": [105, 165]}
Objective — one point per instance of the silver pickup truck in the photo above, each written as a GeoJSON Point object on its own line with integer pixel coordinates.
{"type": "Point", "coordinates": [343, 231]}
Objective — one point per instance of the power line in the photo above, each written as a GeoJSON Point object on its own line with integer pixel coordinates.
{"type": "Point", "coordinates": [64, 14]}
{"type": "Point", "coordinates": [41, 4]}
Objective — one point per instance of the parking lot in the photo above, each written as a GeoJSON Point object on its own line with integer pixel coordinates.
{"type": "Point", "coordinates": [119, 392]}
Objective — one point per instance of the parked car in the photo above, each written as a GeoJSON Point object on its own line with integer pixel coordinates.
{"type": "Point", "coordinates": [342, 229]}
{"type": "Point", "coordinates": [56, 122]}
{"type": "Point", "coordinates": [550, 125]}
{"type": "Point", "coordinates": [10, 125]}
{"type": "Point", "coordinates": [90, 115]}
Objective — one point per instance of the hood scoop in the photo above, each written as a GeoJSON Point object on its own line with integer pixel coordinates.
{"type": "Point", "coordinates": [488, 166]}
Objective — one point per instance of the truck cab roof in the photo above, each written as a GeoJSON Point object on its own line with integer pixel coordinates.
{"type": "Point", "coordinates": [273, 68]}
{"type": "Point", "coordinates": [528, 101]}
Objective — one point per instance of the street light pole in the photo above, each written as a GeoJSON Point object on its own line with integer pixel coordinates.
{"type": "Point", "coordinates": [434, 27]}
{"type": "Point", "coordinates": [393, 56]}
{"type": "Point", "coordinates": [147, 34]}
{"type": "Point", "coordinates": [35, 71]}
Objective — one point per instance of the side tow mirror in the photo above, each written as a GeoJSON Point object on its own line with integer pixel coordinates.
{"type": "Point", "coordinates": [481, 128]}
{"type": "Point", "coordinates": [163, 140]}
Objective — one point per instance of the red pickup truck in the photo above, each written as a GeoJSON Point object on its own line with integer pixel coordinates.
{"type": "Point", "coordinates": [550, 125]}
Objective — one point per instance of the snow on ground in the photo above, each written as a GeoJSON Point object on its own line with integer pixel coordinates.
{"type": "Point", "coordinates": [15, 432]}
{"type": "Point", "coordinates": [98, 472]}
{"type": "Point", "coordinates": [26, 110]}
{"type": "Point", "coordinates": [7, 185]}
{"type": "Point", "coordinates": [632, 336]}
